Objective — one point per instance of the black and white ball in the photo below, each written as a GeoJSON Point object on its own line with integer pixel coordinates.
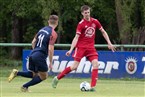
{"type": "Point", "coordinates": [85, 86]}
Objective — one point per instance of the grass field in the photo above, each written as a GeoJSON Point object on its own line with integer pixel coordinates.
{"type": "Point", "coordinates": [69, 87]}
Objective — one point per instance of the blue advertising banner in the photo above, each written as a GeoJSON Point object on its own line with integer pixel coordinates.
{"type": "Point", "coordinates": [111, 64]}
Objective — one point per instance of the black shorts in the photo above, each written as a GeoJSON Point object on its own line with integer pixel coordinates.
{"type": "Point", "coordinates": [37, 62]}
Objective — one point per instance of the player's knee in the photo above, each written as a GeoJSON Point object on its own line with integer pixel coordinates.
{"type": "Point", "coordinates": [43, 77]}
{"type": "Point", "coordinates": [73, 68]}
{"type": "Point", "coordinates": [95, 64]}
{"type": "Point", "coordinates": [75, 65]}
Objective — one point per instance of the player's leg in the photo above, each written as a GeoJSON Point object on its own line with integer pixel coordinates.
{"type": "Point", "coordinates": [39, 66]}
{"type": "Point", "coordinates": [63, 73]}
{"type": "Point", "coordinates": [94, 75]}
{"type": "Point", "coordinates": [78, 54]}
{"type": "Point", "coordinates": [12, 75]}
{"type": "Point", "coordinates": [93, 58]}
{"type": "Point", "coordinates": [27, 74]}
{"type": "Point", "coordinates": [68, 70]}
{"type": "Point", "coordinates": [15, 73]}
{"type": "Point", "coordinates": [35, 80]}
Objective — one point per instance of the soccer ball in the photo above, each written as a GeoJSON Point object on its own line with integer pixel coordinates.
{"type": "Point", "coordinates": [85, 86]}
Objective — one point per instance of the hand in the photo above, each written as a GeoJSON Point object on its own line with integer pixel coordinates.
{"type": "Point", "coordinates": [50, 66]}
{"type": "Point", "coordinates": [68, 53]}
{"type": "Point", "coordinates": [112, 47]}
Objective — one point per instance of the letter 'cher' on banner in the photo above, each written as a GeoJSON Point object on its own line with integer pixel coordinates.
{"type": "Point", "coordinates": [111, 64]}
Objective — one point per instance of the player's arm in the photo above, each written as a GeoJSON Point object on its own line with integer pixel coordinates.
{"type": "Point", "coordinates": [51, 53]}
{"type": "Point", "coordinates": [74, 42]}
{"type": "Point", "coordinates": [34, 42]}
{"type": "Point", "coordinates": [51, 48]}
{"type": "Point", "coordinates": [105, 35]}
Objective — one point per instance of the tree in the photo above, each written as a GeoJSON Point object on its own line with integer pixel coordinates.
{"type": "Point", "coordinates": [19, 11]}
{"type": "Point", "coordinates": [63, 8]}
{"type": "Point", "coordinates": [130, 17]}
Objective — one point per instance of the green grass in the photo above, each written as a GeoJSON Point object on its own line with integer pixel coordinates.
{"type": "Point", "coordinates": [69, 87]}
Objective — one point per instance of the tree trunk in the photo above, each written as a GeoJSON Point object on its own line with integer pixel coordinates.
{"type": "Point", "coordinates": [123, 20]}
{"type": "Point", "coordinates": [59, 26]}
{"type": "Point", "coordinates": [119, 15]}
{"type": "Point", "coordinates": [16, 38]}
{"type": "Point", "coordinates": [142, 37]}
{"type": "Point", "coordinates": [119, 20]}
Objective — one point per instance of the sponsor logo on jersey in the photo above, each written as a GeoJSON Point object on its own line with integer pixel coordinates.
{"type": "Point", "coordinates": [89, 32]}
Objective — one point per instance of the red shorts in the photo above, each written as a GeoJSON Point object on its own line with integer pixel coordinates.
{"type": "Point", "coordinates": [90, 54]}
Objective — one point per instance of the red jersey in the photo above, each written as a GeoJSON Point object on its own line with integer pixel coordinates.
{"type": "Point", "coordinates": [53, 37]}
{"type": "Point", "coordinates": [86, 30]}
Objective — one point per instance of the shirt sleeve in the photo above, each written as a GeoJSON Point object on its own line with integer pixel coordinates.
{"type": "Point", "coordinates": [79, 29]}
{"type": "Point", "coordinates": [98, 24]}
{"type": "Point", "coordinates": [53, 38]}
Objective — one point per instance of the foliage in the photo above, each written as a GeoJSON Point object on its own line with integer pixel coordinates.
{"type": "Point", "coordinates": [30, 15]}
{"type": "Point", "coordinates": [142, 9]}
{"type": "Point", "coordinates": [6, 62]}
{"type": "Point", "coordinates": [130, 20]}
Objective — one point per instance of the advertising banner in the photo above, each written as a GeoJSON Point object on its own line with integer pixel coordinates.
{"type": "Point", "coordinates": [111, 64]}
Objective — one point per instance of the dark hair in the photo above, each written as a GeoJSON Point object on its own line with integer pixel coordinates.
{"type": "Point", "coordinates": [53, 19]}
{"type": "Point", "coordinates": [85, 7]}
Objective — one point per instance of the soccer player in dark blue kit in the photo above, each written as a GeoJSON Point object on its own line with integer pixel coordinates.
{"type": "Point", "coordinates": [43, 45]}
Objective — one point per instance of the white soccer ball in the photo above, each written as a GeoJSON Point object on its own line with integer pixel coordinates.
{"type": "Point", "coordinates": [85, 86]}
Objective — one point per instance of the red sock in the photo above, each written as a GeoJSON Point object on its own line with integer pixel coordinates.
{"type": "Point", "coordinates": [64, 72]}
{"type": "Point", "coordinates": [94, 77]}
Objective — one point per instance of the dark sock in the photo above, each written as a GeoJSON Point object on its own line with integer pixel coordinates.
{"type": "Point", "coordinates": [25, 74]}
{"type": "Point", "coordinates": [34, 81]}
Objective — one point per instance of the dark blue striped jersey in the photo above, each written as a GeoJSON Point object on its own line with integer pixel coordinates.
{"type": "Point", "coordinates": [42, 40]}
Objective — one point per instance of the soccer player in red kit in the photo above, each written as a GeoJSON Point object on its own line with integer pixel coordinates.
{"type": "Point", "coordinates": [83, 43]}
